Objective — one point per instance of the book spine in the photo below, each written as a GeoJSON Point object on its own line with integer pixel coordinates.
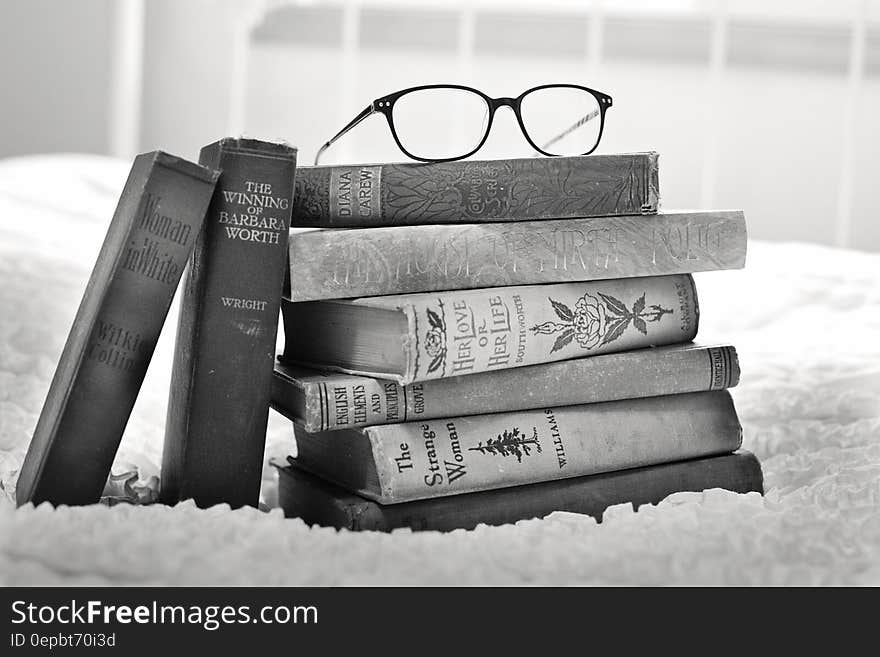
{"type": "Point", "coordinates": [474, 331]}
{"type": "Point", "coordinates": [449, 456]}
{"type": "Point", "coordinates": [221, 378]}
{"type": "Point", "coordinates": [339, 401]}
{"type": "Point", "coordinates": [114, 334]}
{"type": "Point", "coordinates": [339, 264]}
{"type": "Point", "coordinates": [367, 196]}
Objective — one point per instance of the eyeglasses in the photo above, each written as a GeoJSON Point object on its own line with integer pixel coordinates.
{"type": "Point", "coordinates": [446, 122]}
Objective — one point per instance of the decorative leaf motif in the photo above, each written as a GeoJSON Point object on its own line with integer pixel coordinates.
{"type": "Point", "coordinates": [434, 319]}
{"type": "Point", "coordinates": [563, 340]}
{"type": "Point", "coordinates": [510, 442]}
{"type": "Point", "coordinates": [616, 306]}
{"type": "Point", "coordinates": [438, 360]}
{"type": "Point", "coordinates": [542, 189]}
{"type": "Point", "coordinates": [419, 191]}
{"type": "Point", "coordinates": [311, 201]}
{"type": "Point", "coordinates": [549, 327]}
{"type": "Point", "coordinates": [616, 330]}
{"type": "Point", "coordinates": [562, 311]}
{"type": "Point", "coordinates": [639, 306]}
{"type": "Point", "coordinates": [639, 323]}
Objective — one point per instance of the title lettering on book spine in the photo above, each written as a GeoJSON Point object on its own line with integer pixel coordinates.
{"type": "Point", "coordinates": [374, 402]}
{"type": "Point", "coordinates": [249, 214]}
{"type": "Point", "coordinates": [356, 192]}
{"type": "Point", "coordinates": [490, 332]}
{"type": "Point", "coordinates": [147, 252]}
{"type": "Point", "coordinates": [445, 453]}
{"type": "Point", "coordinates": [462, 254]}
{"type": "Point", "coordinates": [440, 468]}
{"type": "Point", "coordinates": [466, 332]}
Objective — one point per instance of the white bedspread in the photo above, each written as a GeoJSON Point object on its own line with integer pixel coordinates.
{"type": "Point", "coordinates": [805, 319]}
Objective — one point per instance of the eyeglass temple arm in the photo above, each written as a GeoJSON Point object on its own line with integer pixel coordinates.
{"type": "Point", "coordinates": [589, 116]}
{"type": "Point", "coordinates": [360, 117]}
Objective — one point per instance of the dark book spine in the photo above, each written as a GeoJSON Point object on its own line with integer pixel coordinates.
{"type": "Point", "coordinates": [221, 378]}
{"type": "Point", "coordinates": [318, 502]}
{"type": "Point", "coordinates": [341, 264]}
{"type": "Point", "coordinates": [476, 191]}
{"type": "Point", "coordinates": [115, 330]}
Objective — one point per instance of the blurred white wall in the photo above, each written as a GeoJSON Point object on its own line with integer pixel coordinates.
{"type": "Point", "coordinates": [768, 106]}
{"type": "Point", "coordinates": [55, 76]}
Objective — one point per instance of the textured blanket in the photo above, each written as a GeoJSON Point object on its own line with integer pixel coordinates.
{"type": "Point", "coordinates": [806, 322]}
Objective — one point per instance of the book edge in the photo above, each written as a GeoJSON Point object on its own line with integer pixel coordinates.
{"type": "Point", "coordinates": [214, 152]}
{"type": "Point", "coordinates": [183, 166]}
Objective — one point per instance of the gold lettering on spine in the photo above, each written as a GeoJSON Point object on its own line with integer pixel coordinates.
{"type": "Point", "coordinates": [244, 304]}
{"type": "Point", "coordinates": [244, 217]}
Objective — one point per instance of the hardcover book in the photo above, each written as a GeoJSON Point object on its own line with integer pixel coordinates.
{"type": "Point", "coordinates": [341, 264]}
{"type": "Point", "coordinates": [319, 502]}
{"type": "Point", "coordinates": [222, 374]}
{"type": "Point", "coordinates": [322, 401]}
{"type": "Point", "coordinates": [114, 334]}
{"type": "Point", "coordinates": [418, 337]}
{"type": "Point", "coordinates": [396, 463]}
{"type": "Point", "coordinates": [474, 191]}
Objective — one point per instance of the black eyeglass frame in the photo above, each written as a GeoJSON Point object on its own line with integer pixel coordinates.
{"type": "Point", "coordinates": [385, 105]}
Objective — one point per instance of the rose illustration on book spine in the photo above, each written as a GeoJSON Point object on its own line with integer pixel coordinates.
{"type": "Point", "coordinates": [509, 442]}
{"type": "Point", "coordinates": [597, 320]}
{"type": "Point", "coordinates": [435, 339]}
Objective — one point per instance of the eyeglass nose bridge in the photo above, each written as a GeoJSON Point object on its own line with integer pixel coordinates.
{"type": "Point", "coordinates": [502, 102]}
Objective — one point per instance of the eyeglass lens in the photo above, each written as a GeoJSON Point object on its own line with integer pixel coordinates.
{"type": "Point", "coordinates": [440, 123]}
{"type": "Point", "coordinates": [562, 120]}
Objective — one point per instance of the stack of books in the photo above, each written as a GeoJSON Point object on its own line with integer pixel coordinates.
{"type": "Point", "coordinates": [466, 342]}
{"type": "Point", "coordinates": [489, 341]}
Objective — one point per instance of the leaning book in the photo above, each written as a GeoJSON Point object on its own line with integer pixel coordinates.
{"type": "Point", "coordinates": [114, 334]}
{"type": "Point", "coordinates": [404, 462]}
{"type": "Point", "coordinates": [218, 405]}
